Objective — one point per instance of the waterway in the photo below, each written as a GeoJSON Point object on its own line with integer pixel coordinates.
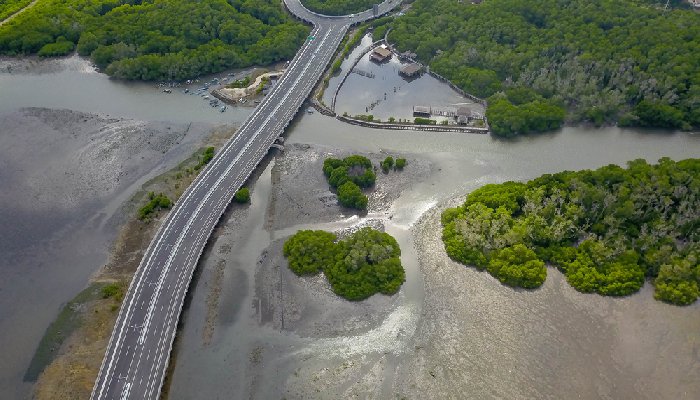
{"type": "Point", "coordinates": [31, 295]}
{"type": "Point", "coordinates": [463, 162]}
{"type": "Point", "coordinates": [72, 83]}
{"type": "Point", "coordinates": [64, 176]}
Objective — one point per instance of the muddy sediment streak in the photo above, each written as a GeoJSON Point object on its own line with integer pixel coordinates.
{"type": "Point", "coordinates": [67, 178]}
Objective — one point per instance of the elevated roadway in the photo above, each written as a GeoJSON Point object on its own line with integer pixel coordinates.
{"type": "Point", "coordinates": [139, 349]}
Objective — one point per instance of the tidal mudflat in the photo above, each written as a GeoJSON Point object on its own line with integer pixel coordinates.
{"type": "Point", "coordinates": [255, 329]}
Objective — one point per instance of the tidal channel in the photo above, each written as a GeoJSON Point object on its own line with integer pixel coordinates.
{"type": "Point", "coordinates": [233, 344]}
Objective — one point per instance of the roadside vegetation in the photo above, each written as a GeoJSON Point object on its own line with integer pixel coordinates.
{"type": "Point", "coordinates": [349, 43]}
{"type": "Point", "coordinates": [156, 202]}
{"type": "Point", "coordinates": [365, 263]}
{"type": "Point", "coordinates": [157, 40]}
{"type": "Point", "coordinates": [338, 7]}
{"type": "Point", "coordinates": [380, 26]}
{"type": "Point", "coordinates": [539, 63]}
{"type": "Point", "coordinates": [205, 158]}
{"type": "Point", "coordinates": [242, 196]}
{"type": "Point", "coordinates": [606, 230]}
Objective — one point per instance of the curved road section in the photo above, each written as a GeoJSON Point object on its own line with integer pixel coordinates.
{"type": "Point", "coordinates": [139, 349]}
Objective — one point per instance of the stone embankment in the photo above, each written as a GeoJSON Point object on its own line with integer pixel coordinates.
{"type": "Point", "coordinates": [414, 127]}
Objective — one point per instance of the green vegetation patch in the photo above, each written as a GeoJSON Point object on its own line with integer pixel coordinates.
{"type": "Point", "coordinates": [204, 159]}
{"type": "Point", "coordinates": [338, 7]}
{"type": "Point", "coordinates": [9, 7]}
{"type": "Point", "coordinates": [365, 263]}
{"type": "Point", "coordinates": [387, 164]}
{"type": "Point", "coordinates": [67, 321]}
{"type": "Point", "coordinates": [157, 39]}
{"type": "Point", "coordinates": [424, 121]}
{"type": "Point", "coordinates": [599, 60]}
{"type": "Point", "coordinates": [607, 229]}
{"type": "Point", "coordinates": [350, 195]}
{"type": "Point", "coordinates": [509, 114]}
{"type": "Point", "coordinates": [349, 176]}
{"type": "Point", "coordinates": [348, 44]}
{"type": "Point", "coordinates": [155, 203]}
{"type": "Point", "coordinates": [242, 196]}
{"type": "Point", "coordinates": [240, 83]}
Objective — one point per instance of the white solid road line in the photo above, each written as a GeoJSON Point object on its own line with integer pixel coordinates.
{"type": "Point", "coordinates": [201, 204]}
{"type": "Point", "coordinates": [158, 278]}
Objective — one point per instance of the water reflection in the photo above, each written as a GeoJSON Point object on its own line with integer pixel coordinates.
{"type": "Point", "coordinates": [72, 83]}
{"type": "Point", "coordinates": [378, 89]}
{"type": "Point", "coordinates": [516, 342]}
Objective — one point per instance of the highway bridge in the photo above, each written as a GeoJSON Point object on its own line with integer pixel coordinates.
{"type": "Point", "coordinates": [139, 349]}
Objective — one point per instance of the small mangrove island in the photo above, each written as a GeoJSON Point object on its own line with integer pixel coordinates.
{"type": "Point", "coordinates": [349, 176]}
{"type": "Point", "coordinates": [606, 230]}
{"type": "Point", "coordinates": [357, 267]}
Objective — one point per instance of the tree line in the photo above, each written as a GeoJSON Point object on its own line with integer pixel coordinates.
{"type": "Point", "coordinates": [603, 61]}
{"type": "Point", "coordinates": [339, 7]}
{"type": "Point", "coordinates": [157, 39]}
{"type": "Point", "coordinates": [606, 230]}
{"type": "Point", "coordinates": [9, 7]}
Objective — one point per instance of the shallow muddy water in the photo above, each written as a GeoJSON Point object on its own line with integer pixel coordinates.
{"type": "Point", "coordinates": [456, 334]}
{"type": "Point", "coordinates": [248, 356]}
{"type": "Point", "coordinates": [64, 177]}
{"type": "Point", "coordinates": [378, 89]}
{"type": "Point", "coordinates": [72, 83]}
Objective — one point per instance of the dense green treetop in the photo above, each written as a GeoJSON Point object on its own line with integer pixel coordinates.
{"type": "Point", "coordinates": [602, 60]}
{"type": "Point", "coordinates": [157, 39]}
{"type": "Point", "coordinates": [350, 195]}
{"type": "Point", "coordinates": [510, 115]}
{"type": "Point", "coordinates": [606, 229]}
{"type": "Point", "coordinates": [9, 7]}
{"type": "Point", "coordinates": [339, 7]}
{"type": "Point", "coordinates": [349, 176]}
{"type": "Point", "coordinates": [310, 251]}
{"type": "Point", "coordinates": [357, 169]}
{"type": "Point", "coordinates": [365, 263]}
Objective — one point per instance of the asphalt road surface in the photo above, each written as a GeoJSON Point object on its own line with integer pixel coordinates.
{"type": "Point", "coordinates": [139, 349]}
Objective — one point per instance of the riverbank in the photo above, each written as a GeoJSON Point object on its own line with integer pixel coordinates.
{"type": "Point", "coordinates": [76, 358]}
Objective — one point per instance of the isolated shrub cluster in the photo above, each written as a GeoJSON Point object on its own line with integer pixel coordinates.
{"type": "Point", "coordinates": [349, 176]}
{"type": "Point", "coordinates": [155, 202]}
{"type": "Point", "coordinates": [365, 263]}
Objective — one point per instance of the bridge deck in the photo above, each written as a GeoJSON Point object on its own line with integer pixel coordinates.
{"type": "Point", "coordinates": [139, 349]}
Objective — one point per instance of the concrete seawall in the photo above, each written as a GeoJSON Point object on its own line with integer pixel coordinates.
{"type": "Point", "coordinates": [413, 127]}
